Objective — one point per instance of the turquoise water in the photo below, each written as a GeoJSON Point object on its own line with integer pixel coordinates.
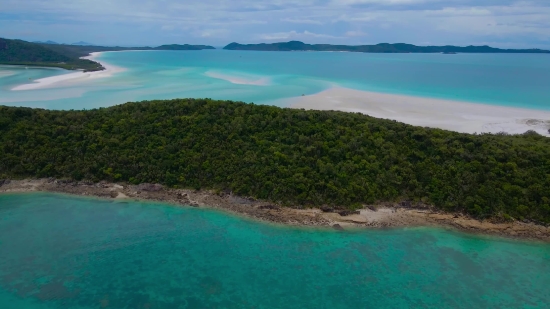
{"type": "Point", "coordinates": [520, 80]}
{"type": "Point", "coordinates": [58, 251]}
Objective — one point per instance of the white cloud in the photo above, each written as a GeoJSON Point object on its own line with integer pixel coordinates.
{"type": "Point", "coordinates": [293, 35]}
{"type": "Point", "coordinates": [301, 21]}
{"type": "Point", "coordinates": [214, 21]}
{"type": "Point", "coordinates": [355, 33]}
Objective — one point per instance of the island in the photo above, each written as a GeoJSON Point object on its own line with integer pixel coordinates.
{"type": "Point", "coordinates": [378, 48]}
{"type": "Point", "coordinates": [337, 162]}
{"type": "Point", "coordinates": [52, 54]}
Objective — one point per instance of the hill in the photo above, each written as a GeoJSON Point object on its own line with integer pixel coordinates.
{"type": "Point", "coordinates": [82, 43]}
{"type": "Point", "coordinates": [378, 48]}
{"type": "Point", "coordinates": [45, 42]}
{"type": "Point", "coordinates": [82, 51]}
{"type": "Point", "coordinates": [288, 156]}
{"type": "Point", "coordinates": [183, 47]}
{"type": "Point", "coordinates": [51, 54]}
{"type": "Point", "coordinates": [17, 52]}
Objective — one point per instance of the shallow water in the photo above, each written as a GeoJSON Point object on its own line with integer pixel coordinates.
{"type": "Point", "coordinates": [58, 251]}
{"type": "Point", "coordinates": [520, 80]}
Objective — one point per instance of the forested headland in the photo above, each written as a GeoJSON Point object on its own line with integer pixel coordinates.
{"type": "Point", "coordinates": [293, 157]}
{"type": "Point", "coordinates": [18, 52]}
{"type": "Point", "coordinates": [378, 48]}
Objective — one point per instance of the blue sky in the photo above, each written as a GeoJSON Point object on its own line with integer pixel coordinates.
{"type": "Point", "coordinates": [501, 23]}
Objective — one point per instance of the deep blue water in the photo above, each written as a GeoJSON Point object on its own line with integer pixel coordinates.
{"type": "Point", "coordinates": [58, 251]}
{"type": "Point", "coordinates": [520, 80]}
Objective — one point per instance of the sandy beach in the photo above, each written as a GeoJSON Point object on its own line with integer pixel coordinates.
{"type": "Point", "coordinates": [71, 78]}
{"type": "Point", "coordinates": [428, 112]}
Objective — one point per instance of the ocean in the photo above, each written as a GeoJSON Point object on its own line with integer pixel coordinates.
{"type": "Point", "coordinates": [516, 80]}
{"type": "Point", "coordinates": [59, 251]}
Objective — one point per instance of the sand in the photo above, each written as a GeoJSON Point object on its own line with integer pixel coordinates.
{"type": "Point", "coordinates": [428, 112]}
{"type": "Point", "coordinates": [264, 81]}
{"type": "Point", "coordinates": [71, 78]}
{"type": "Point", "coordinates": [420, 111]}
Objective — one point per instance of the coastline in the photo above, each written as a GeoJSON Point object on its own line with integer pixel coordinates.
{"type": "Point", "coordinates": [464, 117]}
{"type": "Point", "coordinates": [386, 215]}
{"type": "Point", "coordinates": [74, 77]}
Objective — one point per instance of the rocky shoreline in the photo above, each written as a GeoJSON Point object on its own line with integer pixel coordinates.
{"type": "Point", "coordinates": [379, 216]}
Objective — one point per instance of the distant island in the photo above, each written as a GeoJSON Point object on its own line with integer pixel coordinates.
{"type": "Point", "coordinates": [45, 42]}
{"type": "Point", "coordinates": [378, 48]}
{"type": "Point", "coordinates": [52, 54]}
{"type": "Point", "coordinates": [82, 43]}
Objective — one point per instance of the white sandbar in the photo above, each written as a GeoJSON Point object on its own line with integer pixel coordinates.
{"type": "Point", "coordinates": [239, 80]}
{"type": "Point", "coordinates": [70, 78]}
{"type": "Point", "coordinates": [428, 112]}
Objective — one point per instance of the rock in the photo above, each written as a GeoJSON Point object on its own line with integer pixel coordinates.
{"type": "Point", "coordinates": [103, 184]}
{"type": "Point", "coordinates": [338, 227]}
{"type": "Point", "coordinates": [406, 204]}
{"type": "Point", "coordinates": [240, 200]}
{"type": "Point", "coordinates": [272, 207]}
{"type": "Point", "coordinates": [193, 204]}
{"type": "Point", "coordinates": [371, 207]}
{"type": "Point", "coordinates": [327, 209]}
{"type": "Point", "coordinates": [344, 213]}
{"type": "Point", "coordinates": [114, 194]}
{"type": "Point", "coordinates": [4, 182]}
{"type": "Point", "coordinates": [182, 196]}
{"type": "Point", "coordinates": [150, 187]}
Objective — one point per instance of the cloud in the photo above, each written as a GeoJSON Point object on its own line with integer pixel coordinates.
{"type": "Point", "coordinates": [209, 33]}
{"type": "Point", "coordinates": [136, 22]}
{"type": "Point", "coordinates": [301, 21]}
{"type": "Point", "coordinates": [355, 33]}
{"type": "Point", "coordinates": [293, 35]}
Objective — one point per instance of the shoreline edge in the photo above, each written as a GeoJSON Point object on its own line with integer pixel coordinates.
{"type": "Point", "coordinates": [384, 215]}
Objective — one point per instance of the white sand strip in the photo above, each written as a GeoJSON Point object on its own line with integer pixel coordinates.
{"type": "Point", "coordinates": [239, 80]}
{"type": "Point", "coordinates": [428, 112]}
{"type": "Point", "coordinates": [70, 78]}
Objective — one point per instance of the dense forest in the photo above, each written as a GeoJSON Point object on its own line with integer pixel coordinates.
{"type": "Point", "coordinates": [290, 156]}
{"type": "Point", "coordinates": [378, 48]}
{"type": "Point", "coordinates": [18, 52]}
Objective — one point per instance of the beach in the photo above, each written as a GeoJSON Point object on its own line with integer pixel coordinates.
{"type": "Point", "coordinates": [457, 116]}
{"type": "Point", "coordinates": [64, 80]}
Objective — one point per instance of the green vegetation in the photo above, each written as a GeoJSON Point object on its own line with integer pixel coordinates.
{"type": "Point", "coordinates": [84, 50]}
{"type": "Point", "coordinates": [290, 156]}
{"type": "Point", "coordinates": [17, 52]}
{"type": "Point", "coordinates": [378, 48]}
{"type": "Point", "coordinates": [183, 47]}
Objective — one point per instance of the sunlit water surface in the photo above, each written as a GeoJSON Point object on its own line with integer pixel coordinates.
{"type": "Point", "coordinates": [65, 252]}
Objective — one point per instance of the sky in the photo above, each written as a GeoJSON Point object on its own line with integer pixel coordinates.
{"type": "Point", "coordinates": [499, 23]}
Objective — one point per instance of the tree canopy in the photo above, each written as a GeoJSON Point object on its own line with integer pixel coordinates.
{"type": "Point", "coordinates": [294, 157]}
